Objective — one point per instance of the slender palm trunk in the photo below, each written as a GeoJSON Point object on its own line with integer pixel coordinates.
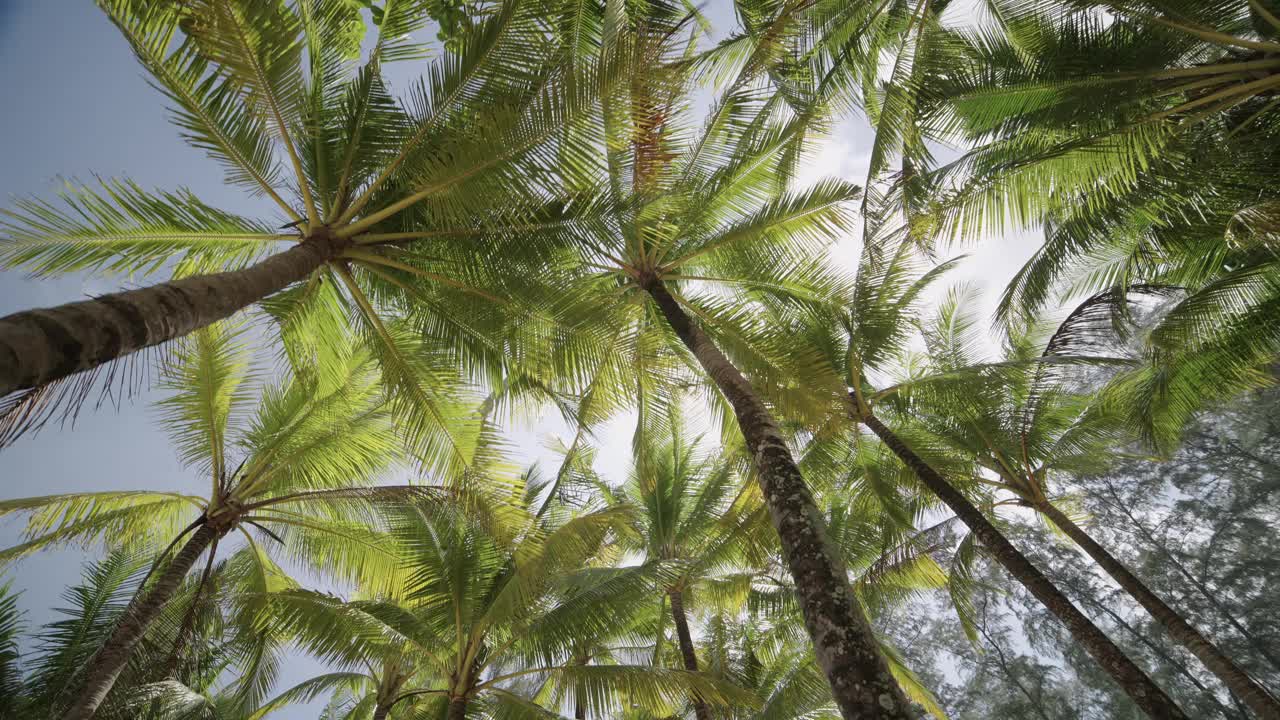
{"type": "Point", "coordinates": [843, 642]}
{"type": "Point", "coordinates": [41, 346]}
{"type": "Point", "coordinates": [457, 709]}
{"type": "Point", "coordinates": [388, 691]}
{"type": "Point", "coordinates": [1145, 693]}
{"type": "Point", "coordinates": [1236, 679]}
{"type": "Point", "coordinates": [1165, 657]}
{"type": "Point", "coordinates": [111, 658]}
{"type": "Point", "coordinates": [686, 648]}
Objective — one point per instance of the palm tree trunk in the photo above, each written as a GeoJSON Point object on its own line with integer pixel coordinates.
{"type": "Point", "coordinates": [1145, 693]}
{"type": "Point", "coordinates": [1236, 679]}
{"type": "Point", "coordinates": [111, 658]}
{"type": "Point", "coordinates": [686, 648]}
{"type": "Point", "coordinates": [41, 346]}
{"type": "Point", "coordinates": [1161, 653]}
{"type": "Point", "coordinates": [457, 709]}
{"type": "Point", "coordinates": [843, 642]}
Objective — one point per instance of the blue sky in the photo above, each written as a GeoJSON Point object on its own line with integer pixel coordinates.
{"type": "Point", "coordinates": [77, 105]}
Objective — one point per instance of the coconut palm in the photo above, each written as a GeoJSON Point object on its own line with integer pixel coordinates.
{"type": "Point", "coordinates": [310, 456]}
{"type": "Point", "coordinates": [152, 687]}
{"type": "Point", "coordinates": [685, 518]}
{"type": "Point", "coordinates": [1142, 136]}
{"type": "Point", "coordinates": [493, 619]}
{"type": "Point", "coordinates": [667, 213]}
{"type": "Point", "coordinates": [858, 342]}
{"type": "Point", "coordinates": [382, 202]}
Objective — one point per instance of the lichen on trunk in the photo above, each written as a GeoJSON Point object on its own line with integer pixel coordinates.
{"type": "Point", "coordinates": [843, 642]}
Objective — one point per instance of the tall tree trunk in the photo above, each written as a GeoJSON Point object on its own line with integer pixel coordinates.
{"type": "Point", "coordinates": [1236, 679]}
{"type": "Point", "coordinates": [843, 642]}
{"type": "Point", "coordinates": [380, 710]}
{"type": "Point", "coordinates": [457, 708]}
{"type": "Point", "coordinates": [40, 346]}
{"type": "Point", "coordinates": [686, 648]}
{"type": "Point", "coordinates": [1175, 663]}
{"type": "Point", "coordinates": [1145, 693]}
{"type": "Point", "coordinates": [111, 658]}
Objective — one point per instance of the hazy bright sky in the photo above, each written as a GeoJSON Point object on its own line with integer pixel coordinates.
{"type": "Point", "coordinates": [76, 105]}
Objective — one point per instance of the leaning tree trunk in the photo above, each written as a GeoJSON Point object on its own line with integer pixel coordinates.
{"type": "Point", "coordinates": [41, 346]}
{"type": "Point", "coordinates": [686, 648]}
{"type": "Point", "coordinates": [105, 666]}
{"type": "Point", "coordinates": [1145, 693]}
{"type": "Point", "coordinates": [1237, 680]}
{"type": "Point", "coordinates": [843, 642]}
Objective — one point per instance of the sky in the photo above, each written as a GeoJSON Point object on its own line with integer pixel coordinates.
{"type": "Point", "coordinates": [77, 105]}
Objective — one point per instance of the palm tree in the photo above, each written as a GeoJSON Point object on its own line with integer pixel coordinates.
{"type": "Point", "coordinates": [149, 688]}
{"type": "Point", "coordinates": [383, 201]}
{"type": "Point", "coordinates": [1104, 122]}
{"type": "Point", "coordinates": [875, 524]}
{"type": "Point", "coordinates": [658, 219]}
{"type": "Point", "coordinates": [493, 616]}
{"type": "Point", "coordinates": [855, 342]}
{"type": "Point", "coordinates": [309, 459]}
{"type": "Point", "coordinates": [685, 518]}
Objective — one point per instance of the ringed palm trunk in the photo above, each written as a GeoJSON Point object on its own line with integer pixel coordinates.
{"type": "Point", "coordinates": [1145, 693]}
{"type": "Point", "coordinates": [111, 658]}
{"type": "Point", "coordinates": [41, 346]}
{"type": "Point", "coordinates": [843, 643]}
{"type": "Point", "coordinates": [1237, 680]}
{"type": "Point", "coordinates": [686, 648]}
{"type": "Point", "coordinates": [457, 708]}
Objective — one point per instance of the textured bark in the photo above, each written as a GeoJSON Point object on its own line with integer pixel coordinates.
{"type": "Point", "coordinates": [380, 710]}
{"type": "Point", "coordinates": [1145, 693]}
{"type": "Point", "coordinates": [843, 642]}
{"type": "Point", "coordinates": [1155, 649]}
{"type": "Point", "coordinates": [189, 619]}
{"type": "Point", "coordinates": [1237, 680]}
{"type": "Point", "coordinates": [457, 709]}
{"type": "Point", "coordinates": [111, 658]}
{"type": "Point", "coordinates": [687, 653]}
{"type": "Point", "coordinates": [41, 346]}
